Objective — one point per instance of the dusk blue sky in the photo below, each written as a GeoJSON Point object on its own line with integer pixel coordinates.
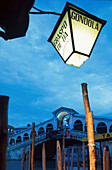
{"type": "Point", "coordinates": [36, 79]}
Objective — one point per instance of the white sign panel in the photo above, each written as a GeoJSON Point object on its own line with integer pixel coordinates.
{"type": "Point", "coordinates": [62, 38]}
{"type": "Point", "coordinates": [85, 32]}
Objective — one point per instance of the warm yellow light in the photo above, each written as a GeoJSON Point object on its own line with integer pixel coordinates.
{"type": "Point", "coordinates": [75, 34]}
{"type": "Point", "coordinates": [76, 59]}
{"type": "Point", "coordinates": [85, 31]}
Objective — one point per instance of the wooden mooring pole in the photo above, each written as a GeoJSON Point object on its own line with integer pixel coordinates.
{"type": "Point", "coordinates": [104, 158]}
{"type": "Point", "coordinates": [58, 155]}
{"type": "Point", "coordinates": [23, 158]}
{"type": "Point", "coordinates": [91, 142]}
{"type": "Point", "coordinates": [33, 144]}
{"type": "Point", "coordinates": [3, 130]}
{"type": "Point", "coordinates": [108, 159]}
{"type": "Point", "coordinates": [90, 128]}
{"type": "Point", "coordinates": [43, 157]}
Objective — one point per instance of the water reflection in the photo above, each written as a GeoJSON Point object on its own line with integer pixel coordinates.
{"type": "Point", "coordinates": [16, 165]}
{"type": "Point", "coordinates": [50, 165]}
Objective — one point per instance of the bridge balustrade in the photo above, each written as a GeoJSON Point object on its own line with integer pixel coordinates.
{"type": "Point", "coordinates": [50, 134]}
{"type": "Point", "coordinates": [27, 141]}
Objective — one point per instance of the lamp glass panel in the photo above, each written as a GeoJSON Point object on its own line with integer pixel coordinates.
{"type": "Point", "coordinates": [76, 59]}
{"type": "Point", "coordinates": [85, 31]}
{"type": "Point", "coordinates": [62, 38]}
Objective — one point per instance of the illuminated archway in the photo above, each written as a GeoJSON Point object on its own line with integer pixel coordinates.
{"type": "Point", "coordinates": [62, 120]}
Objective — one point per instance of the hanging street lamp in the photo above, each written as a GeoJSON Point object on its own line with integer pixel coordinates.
{"type": "Point", "coordinates": [75, 34]}
{"type": "Point", "coordinates": [74, 37]}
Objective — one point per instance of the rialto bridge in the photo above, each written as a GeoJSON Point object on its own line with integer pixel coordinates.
{"type": "Point", "coordinates": [64, 119]}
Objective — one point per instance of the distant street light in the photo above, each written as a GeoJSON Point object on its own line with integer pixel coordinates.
{"type": "Point", "coordinates": [75, 34]}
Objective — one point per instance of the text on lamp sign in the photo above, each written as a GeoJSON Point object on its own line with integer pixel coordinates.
{"type": "Point", "coordinates": [62, 33]}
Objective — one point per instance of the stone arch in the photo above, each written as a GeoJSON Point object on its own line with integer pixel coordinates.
{"type": "Point", "coordinates": [31, 134]}
{"type": "Point", "coordinates": [41, 130]}
{"type": "Point", "coordinates": [19, 139]}
{"type": "Point", "coordinates": [49, 127]}
{"type": "Point", "coordinates": [101, 127]}
{"type": "Point", "coordinates": [78, 125]}
{"type": "Point", "coordinates": [25, 136]}
{"type": "Point", "coordinates": [110, 129]}
{"type": "Point", "coordinates": [60, 118]}
{"type": "Point", "coordinates": [12, 141]}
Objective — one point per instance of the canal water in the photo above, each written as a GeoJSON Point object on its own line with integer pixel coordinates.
{"type": "Point", "coordinates": [16, 165]}
{"type": "Point", "coordinates": [50, 165]}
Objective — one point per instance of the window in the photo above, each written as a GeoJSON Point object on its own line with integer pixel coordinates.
{"type": "Point", "coordinates": [78, 125]}
{"type": "Point", "coordinates": [41, 130]}
{"type": "Point", "coordinates": [12, 141]}
{"type": "Point", "coordinates": [49, 127]}
{"type": "Point", "coordinates": [25, 136]}
{"type": "Point", "coordinates": [101, 128]}
{"type": "Point", "coordinates": [18, 139]}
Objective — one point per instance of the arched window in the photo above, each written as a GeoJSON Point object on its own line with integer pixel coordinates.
{"type": "Point", "coordinates": [41, 130]}
{"type": "Point", "coordinates": [110, 129]}
{"type": "Point", "coordinates": [25, 136]}
{"type": "Point", "coordinates": [31, 134]}
{"type": "Point", "coordinates": [12, 141]}
{"type": "Point", "coordinates": [101, 128]}
{"type": "Point", "coordinates": [78, 125]}
{"type": "Point", "coordinates": [18, 139]}
{"type": "Point", "coordinates": [49, 127]}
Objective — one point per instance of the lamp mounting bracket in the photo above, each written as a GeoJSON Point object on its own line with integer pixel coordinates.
{"type": "Point", "coordinates": [43, 12]}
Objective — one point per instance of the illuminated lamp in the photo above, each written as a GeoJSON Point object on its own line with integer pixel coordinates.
{"type": "Point", "coordinates": [75, 34]}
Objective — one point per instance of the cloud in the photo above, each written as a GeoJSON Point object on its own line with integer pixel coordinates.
{"type": "Point", "coordinates": [37, 79]}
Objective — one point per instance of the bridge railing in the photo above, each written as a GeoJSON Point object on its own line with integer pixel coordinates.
{"type": "Point", "coordinates": [26, 142]}
{"type": "Point", "coordinates": [45, 136]}
{"type": "Point", "coordinates": [77, 134]}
